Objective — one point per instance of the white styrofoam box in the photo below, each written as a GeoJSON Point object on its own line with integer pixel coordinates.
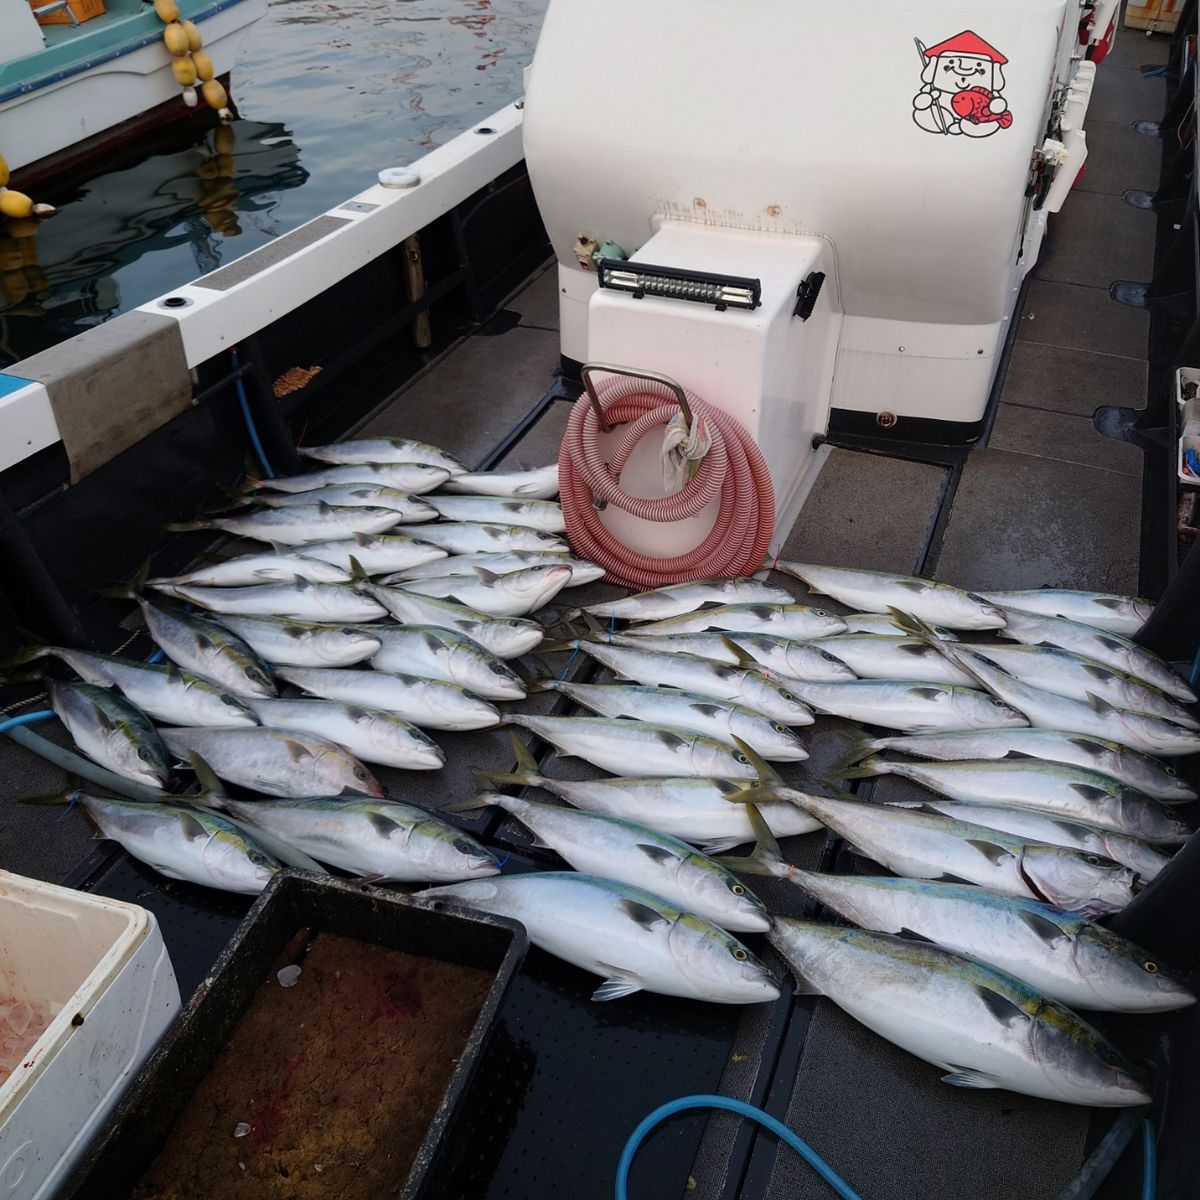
{"type": "Point", "coordinates": [1189, 414]}
{"type": "Point", "coordinates": [101, 969]}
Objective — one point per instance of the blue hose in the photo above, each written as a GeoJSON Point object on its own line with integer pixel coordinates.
{"type": "Point", "coordinates": [765, 1119]}
{"type": "Point", "coordinates": [156, 657]}
{"type": "Point", "coordinates": [42, 714]}
{"type": "Point", "coordinates": [1149, 1160]}
{"type": "Point", "coordinates": [251, 429]}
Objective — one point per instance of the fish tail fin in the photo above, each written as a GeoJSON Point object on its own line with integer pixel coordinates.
{"type": "Point", "coordinates": [913, 626]}
{"type": "Point", "coordinates": [744, 658]}
{"type": "Point", "coordinates": [212, 791]}
{"type": "Point", "coordinates": [187, 526]}
{"type": "Point", "coordinates": [543, 684]}
{"type": "Point", "coordinates": [20, 667]}
{"type": "Point", "coordinates": [357, 571]}
{"type": "Point", "coordinates": [130, 588]}
{"type": "Point", "coordinates": [766, 858]}
{"type": "Point", "coordinates": [484, 798]}
{"type": "Point", "coordinates": [859, 744]}
{"type": "Point", "coordinates": [522, 775]}
{"type": "Point", "coordinates": [867, 768]}
{"type": "Point", "coordinates": [767, 775]}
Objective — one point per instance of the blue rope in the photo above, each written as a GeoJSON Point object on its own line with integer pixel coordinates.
{"type": "Point", "coordinates": [251, 429]}
{"type": "Point", "coordinates": [42, 714]}
{"type": "Point", "coordinates": [781, 1131]}
{"type": "Point", "coordinates": [1150, 1160]}
{"type": "Point", "coordinates": [156, 657]}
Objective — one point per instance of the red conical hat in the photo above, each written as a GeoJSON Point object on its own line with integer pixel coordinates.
{"type": "Point", "coordinates": [966, 43]}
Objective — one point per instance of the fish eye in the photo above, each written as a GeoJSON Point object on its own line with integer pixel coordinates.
{"type": "Point", "coordinates": [775, 725]}
{"type": "Point", "coordinates": [144, 754]}
{"type": "Point", "coordinates": [1170, 770]}
{"type": "Point", "coordinates": [250, 672]}
{"type": "Point", "coordinates": [741, 758]}
{"type": "Point", "coordinates": [463, 846]}
{"type": "Point", "coordinates": [226, 698]}
{"type": "Point", "coordinates": [1110, 1056]}
{"type": "Point", "coordinates": [820, 612]}
{"type": "Point", "coordinates": [1093, 859]}
{"type": "Point", "coordinates": [1151, 966]}
{"type": "Point", "coordinates": [499, 669]}
{"type": "Point", "coordinates": [259, 860]}
{"type": "Point", "coordinates": [360, 773]}
{"type": "Point", "coordinates": [739, 954]}
{"type": "Point", "coordinates": [737, 889]}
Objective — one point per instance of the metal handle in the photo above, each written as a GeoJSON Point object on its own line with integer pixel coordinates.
{"type": "Point", "coordinates": [651, 376]}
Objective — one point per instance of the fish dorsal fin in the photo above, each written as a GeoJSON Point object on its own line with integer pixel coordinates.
{"type": "Point", "coordinates": [767, 775]}
{"type": "Point", "coordinates": [658, 854]}
{"type": "Point", "coordinates": [642, 914]}
{"type": "Point", "coordinates": [989, 850]}
{"type": "Point", "coordinates": [1000, 1006]}
{"type": "Point", "coordinates": [615, 987]}
{"type": "Point", "coordinates": [1045, 929]}
{"type": "Point", "coordinates": [1098, 705]}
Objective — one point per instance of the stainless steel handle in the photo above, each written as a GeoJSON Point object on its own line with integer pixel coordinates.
{"type": "Point", "coordinates": [651, 376]}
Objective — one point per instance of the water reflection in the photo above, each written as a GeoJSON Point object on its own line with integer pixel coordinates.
{"type": "Point", "coordinates": [176, 199]}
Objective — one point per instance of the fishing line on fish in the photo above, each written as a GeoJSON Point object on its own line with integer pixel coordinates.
{"type": "Point", "coordinates": [567, 665]}
{"type": "Point", "coordinates": [781, 1131]}
{"type": "Point", "coordinates": [251, 428]}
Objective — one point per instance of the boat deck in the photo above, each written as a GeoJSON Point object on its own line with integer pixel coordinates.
{"type": "Point", "coordinates": [1044, 500]}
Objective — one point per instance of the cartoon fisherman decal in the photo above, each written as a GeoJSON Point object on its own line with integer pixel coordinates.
{"type": "Point", "coordinates": [962, 82]}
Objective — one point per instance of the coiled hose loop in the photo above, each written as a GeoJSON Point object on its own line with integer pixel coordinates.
{"type": "Point", "coordinates": [733, 469]}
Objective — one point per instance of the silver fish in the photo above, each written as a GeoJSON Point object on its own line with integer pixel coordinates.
{"type": "Point", "coordinates": [268, 567]}
{"type": "Point", "coordinates": [110, 731]}
{"type": "Point", "coordinates": [679, 598]}
{"type": "Point", "coordinates": [796, 621]}
{"type": "Point", "coordinates": [635, 940]}
{"type": "Point", "coordinates": [632, 748]}
{"type": "Point", "coordinates": [1058, 953]}
{"type": "Point", "coordinates": [184, 843]}
{"type": "Point", "coordinates": [278, 763]}
{"type": "Point", "coordinates": [543, 515]}
{"type": "Point", "coordinates": [701, 810]}
{"type": "Point", "coordinates": [1045, 710]}
{"type": "Point", "coordinates": [370, 734]}
{"type": "Point", "coordinates": [927, 845]}
{"type": "Point", "coordinates": [476, 537]}
{"type": "Point", "coordinates": [1131, 767]}
{"type": "Point", "coordinates": [1111, 649]}
{"type": "Point", "coordinates": [1040, 827]}
{"type": "Point", "coordinates": [376, 553]}
{"type": "Point", "coordinates": [880, 591]}
{"type": "Point", "coordinates": [505, 637]}
{"type": "Point", "coordinates": [410, 478]}
{"type": "Point", "coordinates": [780, 656]}
{"type": "Point", "coordinates": [165, 693]}
{"type": "Point", "coordinates": [515, 594]}
{"type": "Point", "coordinates": [631, 853]}
{"type": "Point", "coordinates": [885, 625]}
{"type": "Point", "coordinates": [354, 495]}
{"type": "Point", "coordinates": [986, 1028]}
{"type": "Point", "coordinates": [1069, 674]}
{"type": "Point", "coordinates": [429, 703]}
{"type": "Point", "coordinates": [872, 656]}
{"type": "Point", "coordinates": [541, 483]}
{"type": "Point", "coordinates": [299, 524]}
{"type": "Point", "coordinates": [907, 704]}
{"type": "Point", "coordinates": [701, 675]}
{"type": "Point", "coordinates": [1117, 614]}
{"type": "Point", "coordinates": [500, 564]}
{"type": "Point", "coordinates": [299, 601]}
{"type": "Point", "coordinates": [1072, 793]}
{"type": "Point", "coordinates": [434, 653]}
{"type": "Point", "coordinates": [301, 644]}
{"type": "Point", "coordinates": [381, 841]}
{"type": "Point", "coordinates": [201, 645]}
{"type": "Point", "coordinates": [718, 719]}
{"type": "Point", "coordinates": [384, 450]}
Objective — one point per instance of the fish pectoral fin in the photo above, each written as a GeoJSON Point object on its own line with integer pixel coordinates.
{"type": "Point", "coordinates": [989, 850]}
{"type": "Point", "coordinates": [642, 914]}
{"type": "Point", "coordinates": [658, 854]}
{"type": "Point", "coordinates": [383, 825]}
{"type": "Point", "coordinates": [615, 987]}
{"type": "Point", "coordinates": [1098, 705]}
{"type": "Point", "coordinates": [191, 827]}
{"type": "Point", "coordinates": [926, 693]}
{"type": "Point", "coordinates": [1006, 1011]}
{"type": "Point", "coordinates": [968, 1077]}
{"type": "Point", "coordinates": [298, 750]}
{"type": "Point", "coordinates": [1046, 930]}
{"type": "Point", "coordinates": [707, 709]}
{"type": "Point", "coordinates": [1088, 791]}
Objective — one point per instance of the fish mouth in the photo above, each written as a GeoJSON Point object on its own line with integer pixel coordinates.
{"type": "Point", "coordinates": [1027, 879]}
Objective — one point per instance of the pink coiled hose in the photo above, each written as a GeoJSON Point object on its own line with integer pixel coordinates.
{"type": "Point", "coordinates": [734, 468]}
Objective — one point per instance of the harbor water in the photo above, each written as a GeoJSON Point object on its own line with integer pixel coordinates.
{"type": "Point", "coordinates": [327, 94]}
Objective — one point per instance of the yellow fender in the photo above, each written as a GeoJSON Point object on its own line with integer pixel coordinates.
{"type": "Point", "coordinates": [176, 39]}
{"type": "Point", "coordinates": [203, 64]}
{"type": "Point", "coordinates": [195, 41]}
{"type": "Point", "coordinates": [185, 71]}
{"type": "Point", "coordinates": [166, 10]}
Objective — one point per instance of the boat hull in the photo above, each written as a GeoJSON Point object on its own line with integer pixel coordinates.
{"type": "Point", "coordinates": [62, 123]}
